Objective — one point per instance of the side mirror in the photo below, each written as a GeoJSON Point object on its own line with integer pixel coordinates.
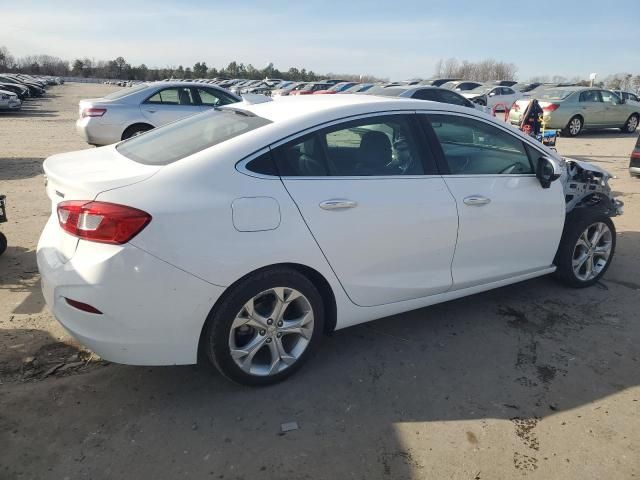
{"type": "Point", "coordinates": [492, 94]}
{"type": "Point", "coordinates": [546, 172]}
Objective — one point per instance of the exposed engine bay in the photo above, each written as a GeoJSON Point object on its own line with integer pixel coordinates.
{"type": "Point", "coordinates": [587, 185]}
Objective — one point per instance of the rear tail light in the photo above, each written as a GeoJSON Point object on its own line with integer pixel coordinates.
{"type": "Point", "coordinates": [101, 221]}
{"type": "Point", "coordinates": [549, 107]}
{"type": "Point", "coordinates": [93, 112]}
{"type": "Point", "coordinates": [635, 154]}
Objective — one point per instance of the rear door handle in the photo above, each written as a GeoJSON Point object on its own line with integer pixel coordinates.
{"type": "Point", "coordinates": [150, 110]}
{"type": "Point", "coordinates": [476, 200]}
{"type": "Point", "coordinates": [338, 204]}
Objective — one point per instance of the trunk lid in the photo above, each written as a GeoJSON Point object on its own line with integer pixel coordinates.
{"type": "Point", "coordinates": [83, 175]}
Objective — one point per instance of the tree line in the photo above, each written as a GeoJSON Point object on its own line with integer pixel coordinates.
{"type": "Point", "coordinates": [120, 69]}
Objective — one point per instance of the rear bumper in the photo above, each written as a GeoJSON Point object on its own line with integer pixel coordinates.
{"type": "Point", "coordinates": [152, 312]}
{"type": "Point", "coordinates": [94, 132]}
{"type": "Point", "coordinates": [634, 171]}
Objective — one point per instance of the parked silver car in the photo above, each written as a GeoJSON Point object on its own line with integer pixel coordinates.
{"type": "Point", "coordinates": [134, 110]}
{"type": "Point", "coordinates": [574, 109]}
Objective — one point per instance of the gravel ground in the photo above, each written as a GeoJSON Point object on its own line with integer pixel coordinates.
{"type": "Point", "coordinates": [532, 380]}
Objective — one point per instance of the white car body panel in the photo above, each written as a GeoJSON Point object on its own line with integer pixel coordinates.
{"type": "Point", "coordinates": [392, 253]}
{"type": "Point", "coordinates": [517, 232]}
{"type": "Point", "coordinates": [410, 257]}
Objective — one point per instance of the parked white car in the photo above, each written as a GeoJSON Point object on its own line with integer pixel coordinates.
{"type": "Point", "coordinates": [245, 233]}
{"type": "Point", "coordinates": [128, 112]}
{"type": "Point", "coordinates": [9, 101]}
{"type": "Point", "coordinates": [492, 96]}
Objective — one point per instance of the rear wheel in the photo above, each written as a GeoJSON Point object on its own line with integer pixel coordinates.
{"type": "Point", "coordinates": [574, 127]}
{"type": "Point", "coordinates": [3, 243]}
{"type": "Point", "coordinates": [631, 124]}
{"type": "Point", "coordinates": [134, 130]}
{"type": "Point", "coordinates": [265, 328]}
{"type": "Point", "coordinates": [586, 248]}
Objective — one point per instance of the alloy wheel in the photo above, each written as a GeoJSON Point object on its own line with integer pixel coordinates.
{"type": "Point", "coordinates": [271, 331]}
{"type": "Point", "coordinates": [632, 124]}
{"type": "Point", "coordinates": [592, 251]}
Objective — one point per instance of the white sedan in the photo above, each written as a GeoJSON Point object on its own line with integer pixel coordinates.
{"type": "Point", "coordinates": [246, 233]}
{"type": "Point", "coordinates": [128, 112]}
{"type": "Point", "coordinates": [498, 97]}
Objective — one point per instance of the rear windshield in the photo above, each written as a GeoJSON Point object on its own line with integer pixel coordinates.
{"type": "Point", "coordinates": [178, 140]}
{"type": "Point", "coordinates": [126, 91]}
{"type": "Point", "coordinates": [553, 94]}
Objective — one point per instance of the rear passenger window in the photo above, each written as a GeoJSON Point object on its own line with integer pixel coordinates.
{"type": "Point", "coordinates": [472, 147]}
{"type": "Point", "coordinates": [426, 94]}
{"type": "Point", "coordinates": [452, 98]}
{"type": "Point", "coordinates": [380, 146]}
{"type": "Point", "coordinates": [172, 96]}
{"type": "Point", "coordinates": [263, 165]}
{"type": "Point", "coordinates": [590, 96]}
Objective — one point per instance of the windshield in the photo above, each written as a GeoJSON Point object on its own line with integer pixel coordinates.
{"type": "Point", "coordinates": [178, 140]}
{"type": "Point", "coordinates": [553, 94]}
{"type": "Point", "coordinates": [126, 91]}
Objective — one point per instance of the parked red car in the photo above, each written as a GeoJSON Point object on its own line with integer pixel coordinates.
{"type": "Point", "coordinates": [337, 88]}
{"type": "Point", "coordinates": [311, 88]}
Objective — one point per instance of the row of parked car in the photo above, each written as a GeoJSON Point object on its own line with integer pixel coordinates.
{"type": "Point", "coordinates": [572, 109]}
{"type": "Point", "coordinates": [15, 88]}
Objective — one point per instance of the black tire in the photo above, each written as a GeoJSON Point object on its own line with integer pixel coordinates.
{"type": "Point", "coordinates": [215, 341]}
{"type": "Point", "coordinates": [630, 126]}
{"type": "Point", "coordinates": [3, 243]}
{"type": "Point", "coordinates": [568, 131]}
{"type": "Point", "coordinates": [575, 224]}
{"type": "Point", "coordinates": [134, 130]}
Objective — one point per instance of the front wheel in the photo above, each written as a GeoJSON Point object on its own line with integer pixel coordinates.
{"type": "Point", "coordinates": [586, 248]}
{"type": "Point", "coordinates": [631, 124]}
{"type": "Point", "coordinates": [265, 328]}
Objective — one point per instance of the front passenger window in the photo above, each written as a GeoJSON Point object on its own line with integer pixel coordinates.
{"type": "Point", "coordinates": [472, 147]}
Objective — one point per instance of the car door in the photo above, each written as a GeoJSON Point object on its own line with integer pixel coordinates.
{"type": "Point", "coordinates": [592, 108]}
{"type": "Point", "coordinates": [509, 224]}
{"type": "Point", "coordinates": [169, 104]}
{"type": "Point", "coordinates": [615, 114]}
{"type": "Point", "coordinates": [369, 193]}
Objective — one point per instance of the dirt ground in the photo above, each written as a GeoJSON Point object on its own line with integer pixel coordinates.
{"type": "Point", "coordinates": [532, 380]}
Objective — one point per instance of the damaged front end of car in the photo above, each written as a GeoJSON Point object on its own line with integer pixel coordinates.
{"type": "Point", "coordinates": [587, 185]}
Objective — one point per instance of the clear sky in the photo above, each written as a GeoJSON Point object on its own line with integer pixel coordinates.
{"type": "Point", "coordinates": [389, 39]}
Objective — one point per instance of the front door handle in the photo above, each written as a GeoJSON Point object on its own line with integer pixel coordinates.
{"type": "Point", "coordinates": [338, 204]}
{"type": "Point", "coordinates": [476, 200]}
{"type": "Point", "coordinates": [151, 110]}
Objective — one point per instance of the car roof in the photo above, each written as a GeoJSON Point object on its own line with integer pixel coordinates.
{"type": "Point", "coordinates": [307, 111]}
